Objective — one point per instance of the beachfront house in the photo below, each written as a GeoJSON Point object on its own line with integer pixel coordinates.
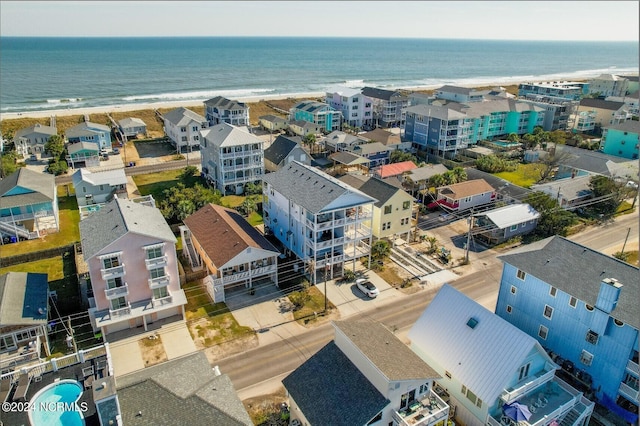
{"type": "Point", "coordinates": [303, 128]}
{"type": "Point", "coordinates": [609, 85]}
{"type": "Point", "coordinates": [24, 309]}
{"type": "Point", "coordinates": [464, 195]}
{"type": "Point", "coordinates": [460, 94]}
{"type": "Point", "coordinates": [595, 113]}
{"type": "Point", "coordinates": [98, 134]}
{"type": "Point", "coordinates": [320, 219]}
{"type": "Point", "coordinates": [99, 187]}
{"type": "Point", "coordinates": [490, 369]}
{"type": "Point", "coordinates": [32, 139]}
{"type": "Point", "coordinates": [28, 205]}
{"type": "Point", "coordinates": [499, 225]}
{"type": "Point", "coordinates": [570, 90]}
{"type": "Point", "coordinates": [356, 108]}
{"type": "Point", "coordinates": [621, 139]}
{"type": "Point", "coordinates": [391, 213]}
{"type": "Point", "coordinates": [272, 123]}
{"type": "Point", "coordinates": [231, 157]}
{"type": "Point", "coordinates": [130, 251]}
{"type": "Point", "coordinates": [558, 110]}
{"type": "Point", "coordinates": [222, 110]}
{"type": "Point", "coordinates": [131, 127]}
{"type": "Point", "coordinates": [83, 154]}
{"type": "Point", "coordinates": [341, 141]}
{"type": "Point", "coordinates": [365, 376]}
{"type": "Point", "coordinates": [582, 306]}
{"type": "Point", "coordinates": [388, 106]}
{"type": "Point", "coordinates": [323, 115]}
{"type": "Point", "coordinates": [443, 130]}
{"type": "Point", "coordinates": [235, 255]}
{"type": "Point", "coordinates": [183, 127]}
{"type": "Point", "coordinates": [282, 151]}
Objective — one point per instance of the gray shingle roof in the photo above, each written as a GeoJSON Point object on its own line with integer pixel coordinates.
{"type": "Point", "coordinates": [578, 270]}
{"type": "Point", "coordinates": [84, 129]}
{"type": "Point", "coordinates": [376, 93]}
{"type": "Point", "coordinates": [280, 148]}
{"type": "Point", "coordinates": [183, 116]}
{"type": "Point", "coordinates": [184, 390]}
{"type": "Point", "coordinates": [330, 390]}
{"type": "Point", "coordinates": [310, 188]}
{"type": "Point", "coordinates": [42, 185]}
{"type": "Point", "coordinates": [272, 118]}
{"type": "Point", "coordinates": [631, 126]}
{"type": "Point", "coordinates": [348, 158]}
{"type": "Point", "coordinates": [568, 188]}
{"type": "Point", "coordinates": [584, 159]}
{"type": "Point", "coordinates": [36, 128]}
{"type": "Point", "coordinates": [601, 104]}
{"type": "Point", "coordinates": [225, 134]}
{"type": "Point", "coordinates": [455, 89]}
{"type": "Point", "coordinates": [23, 298]}
{"type": "Point", "coordinates": [369, 148]}
{"type": "Point", "coordinates": [225, 103]}
{"type": "Point", "coordinates": [392, 357]}
{"type": "Point", "coordinates": [131, 122]}
{"type": "Point", "coordinates": [117, 218]}
{"type": "Point", "coordinates": [502, 186]}
{"type": "Point", "coordinates": [376, 188]}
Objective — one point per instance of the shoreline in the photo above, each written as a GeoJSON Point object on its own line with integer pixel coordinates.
{"type": "Point", "coordinates": [62, 112]}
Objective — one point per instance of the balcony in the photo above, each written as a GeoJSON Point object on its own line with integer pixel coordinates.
{"type": "Point", "coordinates": [157, 262]}
{"type": "Point", "coordinates": [110, 273]}
{"type": "Point", "coordinates": [429, 410]}
{"type": "Point", "coordinates": [632, 367]}
{"type": "Point", "coordinates": [245, 275]}
{"type": "Point", "coordinates": [162, 301]}
{"type": "Point", "coordinates": [158, 282]}
{"type": "Point", "coordinates": [115, 292]}
{"type": "Point", "coordinates": [122, 312]}
{"type": "Point", "coordinates": [521, 388]}
{"type": "Point", "coordinates": [628, 392]}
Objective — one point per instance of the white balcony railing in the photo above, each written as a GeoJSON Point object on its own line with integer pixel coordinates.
{"type": "Point", "coordinates": [157, 262]}
{"type": "Point", "coordinates": [162, 301]}
{"type": "Point", "coordinates": [633, 367]}
{"type": "Point", "coordinates": [121, 312]}
{"type": "Point", "coordinates": [115, 292]}
{"type": "Point", "coordinates": [239, 276]}
{"type": "Point", "coordinates": [628, 392]}
{"type": "Point", "coordinates": [110, 273]}
{"type": "Point", "coordinates": [521, 388]}
{"type": "Point", "coordinates": [158, 282]}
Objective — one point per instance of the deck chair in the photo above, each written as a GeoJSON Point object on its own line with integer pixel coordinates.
{"type": "Point", "coordinates": [5, 389]}
{"type": "Point", "coordinates": [88, 382]}
{"type": "Point", "coordinates": [23, 386]}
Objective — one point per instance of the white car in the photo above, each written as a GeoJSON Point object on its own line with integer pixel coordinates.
{"type": "Point", "coordinates": [367, 288]}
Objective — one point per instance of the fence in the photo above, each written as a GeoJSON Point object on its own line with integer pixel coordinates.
{"type": "Point", "coordinates": [33, 256]}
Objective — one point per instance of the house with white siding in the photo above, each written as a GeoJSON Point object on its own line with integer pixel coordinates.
{"type": "Point", "coordinates": [356, 108]}
{"type": "Point", "coordinates": [183, 127]}
{"type": "Point", "coordinates": [32, 139]}
{"type": "Point", "coordinates": [132, 127]}
{"type": "Point", "coordinates": [99, 187]}
{"type": "Point", "coordinates": [222, 110]}
{"type": "Point", "coordinates": [487, 365]}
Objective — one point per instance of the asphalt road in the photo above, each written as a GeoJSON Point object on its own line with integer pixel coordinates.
{"type": "Point", "coordinates": [271, 361]}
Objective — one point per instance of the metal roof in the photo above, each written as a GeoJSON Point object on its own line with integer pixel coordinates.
{"type": "Point", "coordinates": [24, 299]}
{"type": "Point", "coordinates": [513, 214]}
{"type": "Point", "coordinates": [107, 177]}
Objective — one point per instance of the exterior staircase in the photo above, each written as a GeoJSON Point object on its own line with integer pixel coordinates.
{"type": "Point", "coordinates": [570, 418]}
{"type": "Point", "coordinates": [13, 230]}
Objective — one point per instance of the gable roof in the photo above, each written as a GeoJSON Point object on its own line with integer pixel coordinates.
{"type": "Point", "coordinates": [382, 136]}
{"type": "Point", "coordinates": [312, 106]}
{"type": "Point", "coordinates": [85, 128]}
{"type": "Point", "coordinates": [272, 118]}
{"type": "Point", "coordinates": [42, 187]}
{"type": "Point", "coordinates": [456, 89]}
{"type": "Point", "coordinates": [131, 122]}
{"type": "Point", "coordinates": [225, 103]}
{"type": "Point", "coordinates": [578, 270]}
{"type": "Point", "coordinates": [225, 134]}
{"type": "Point", "coordinates": [374, 187]}
{"type": "Point", "coordinates": [567, 188]}
{"type": "Point", "coordinates": [338, 137]}
{"type": "Point", "coordinates": [466, 189]}
{"type": "Point", "coordinates": [601, 104]}
{"type": "Point", "coordinates": [513, 214]}
{"type": "Point", "coordinates": [483, 358]}
{"type": "Point", "coordinates": [36, 128]}
{"type": "Point", "coordinates": [343, 91]}
{"type": "Point", "coordinates": [587, 160]}
{"type": "Point", "coordinates": [223, 233]}
{"type": "Point", "coordinates": [309, 187]}
{"type": "Point", "coordinates": [395, 169]}
{"type": "Point", "coordinates": [186, 388]}
{"type": "Point", "coordinates": [280, 148]}
{"type": "Point", "coordinates": [74, 148]}
{"type": "Point", "coordinates": [107, 177]}
{"type": "Point", "coordinates": [348, 158]}
{"type": "Point", "coordinates": [631, 126]}
{"type": "Point", "coordinates": [330, 390]}
{"type": "Point", "coordinates": [501, 186]}
{"type": "Point", "coordinates": [182, 117]}
{"type": "Point", "coordinates": [369, 148]}
{"type": "Point", "coordinates": [306, 125]}
{"type": "Point", "coordinates": [117, 218]}
{"type": "Point", "coordinates": [394, 359]}
{"type": "Point", "coordinates": [24, 298]}
{"type": "Point", "coordinates": [376, 93]}
{"type": "Point", "coordinates": [426, 172]}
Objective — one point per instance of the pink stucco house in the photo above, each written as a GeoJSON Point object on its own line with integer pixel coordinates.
{"type": "Point", "coordinates": [131, 255]}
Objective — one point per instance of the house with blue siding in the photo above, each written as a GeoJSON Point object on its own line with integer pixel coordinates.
{"type": "Point", "coordinates": [487, 365]}
{"type": "Point", "coordinates": [326, 117]}
{"type": "Point", "coordinates": [499, 225]}
{"type": "Point", "coordinates": [582, 306]}
{"type": "Point", "coordinates": [320, 219]}
{"type": "Point", "coordinates": [621, 139]}
{"type": "Point", "coordinates": [375, 152]}
{"type": "Point", "coordinates": [443, 130]}
{"type": "Point", "coordinates": [98, 134]}
{"type": "Point", "coordinates": [28, 204]}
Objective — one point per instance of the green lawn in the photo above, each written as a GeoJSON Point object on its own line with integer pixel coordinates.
{"type": "Point", "coordinates": [525, 175]}
{"type": "Point", "coordinates": [69, 232]}
{"type": "Point", "coordinates": [156, 183]}
{"type": "Point", "coordinates": [52, 267]}
{"type": "Point", "coordinates": [305, 315]}
{"type": "Point", "coordinates": [255, 219]}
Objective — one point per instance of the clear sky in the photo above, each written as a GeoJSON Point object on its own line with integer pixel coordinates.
{"type": "Point", "coordinates": [512, 20]}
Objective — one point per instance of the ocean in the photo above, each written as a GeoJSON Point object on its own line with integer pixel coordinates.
{"type": "Point", "coordinates": [52, 73]}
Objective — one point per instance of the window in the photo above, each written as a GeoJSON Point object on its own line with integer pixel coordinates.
{"type": "Point", "coordinates": [548, 311]}
{"type": "Point", "coordinates": [154, 253]}
{"type": "Point", "coordinates": [513, 290]}
{"type": "Point", "coordinates": [118, 303]}
{"type": "Point", "coordinates": [509, 309]}
{"type": "Point", "coordinates": [586, 358]}
{"type": "Point", "coordinates": [159, 293]}
{"type": "Point", "coordinates": [101, 187]}
{"type": "Point", "coordinates": [157, 273]}
{"type": "Point", "coordinates": [472, 322]}
{"type": "Point", "coordinates": [114, 282]}
{"type": "Point", "coordinates": [446, 373]}
{"type": "Point", "coordinates": [406, 205]}
{"type": "Point", "coordinates": [588, 307]}
{"type": "Point", "coordinates": [387, 209]}
{"type": "Point", "coordinates": [183, 129]}
{"type": "Point", "coordinates": [573, 301]}
{"type": "Point", "coordinates": [514, 228]}
{"type": "Point", "coordinates": [194, 128]}
{"type": "Point", "coordinates": [543, 332]}
{"type": "Point", "coordinates": [592, 337]}
{"type": "Point", "coordinates": [524, 372]}
{"type": "Point", "coordinates": [111, 262]}
{"type": "Point", "coordinates": [184, 139]}
{"type": "Point", "coordinates": [553, 291]}
{"type": "Point", "coordinates": [521, 275]}
{"type": "Point", "coordinates": [479, 403]}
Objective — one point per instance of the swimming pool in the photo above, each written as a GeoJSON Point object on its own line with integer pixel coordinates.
{"type": "Point", "coordinates": [57, 405]}
{"type": "Point", "coordinates": [503, 144]}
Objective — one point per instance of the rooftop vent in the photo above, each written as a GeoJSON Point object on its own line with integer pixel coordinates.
{"type": "Point", "coordinates": [472, 322]}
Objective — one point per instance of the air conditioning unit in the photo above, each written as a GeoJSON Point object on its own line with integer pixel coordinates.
{"type": "Point", "coordinates": [592, 337]}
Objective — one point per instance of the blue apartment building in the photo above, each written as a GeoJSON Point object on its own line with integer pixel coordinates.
{"type": "Point", "coordinates": [621, 139]}
{"type": "Point", "coordinates": [582, 307]}
{"type": "Point", "coordinates": [319, 113]}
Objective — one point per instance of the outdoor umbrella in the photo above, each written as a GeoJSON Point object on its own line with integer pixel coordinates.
{"type": "Point", "coordinates": [517, 411]}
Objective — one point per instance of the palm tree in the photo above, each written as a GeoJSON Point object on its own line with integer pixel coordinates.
{"type": "Point", "coordinates": [460, 174]}
{"type": "Point", "coordinates": [437, 180]}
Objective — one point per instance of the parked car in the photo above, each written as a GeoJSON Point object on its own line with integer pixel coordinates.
{"type": "Point", "coordinates": [33, 157]}
{"type": "Point", "coordinates": [367, 288]}
{"type": "Point", "coordinates": [116, 150]}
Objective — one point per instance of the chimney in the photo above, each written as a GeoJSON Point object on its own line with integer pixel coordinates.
{"type": "Point", "coordinates": [608, 295]}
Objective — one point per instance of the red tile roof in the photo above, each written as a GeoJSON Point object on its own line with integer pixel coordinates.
{"type": "Point", "coordinates": [395, 169]}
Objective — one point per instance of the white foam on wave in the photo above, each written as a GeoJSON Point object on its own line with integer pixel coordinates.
{"type": "Point", "coordinates": [196, 95]}
{"type": "Point", "coordinates": [63, 101]}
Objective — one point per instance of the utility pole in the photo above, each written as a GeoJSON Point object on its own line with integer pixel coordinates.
{"type": "Point", "coordinates": [326, 270]}
{"type": "Point", "coordinates": [470, 220]}
{"type": "Point", "coordinates": [625, 241]}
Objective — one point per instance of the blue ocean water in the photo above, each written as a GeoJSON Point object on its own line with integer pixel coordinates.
{"type": "Point", "coordinates": [50, 73]}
